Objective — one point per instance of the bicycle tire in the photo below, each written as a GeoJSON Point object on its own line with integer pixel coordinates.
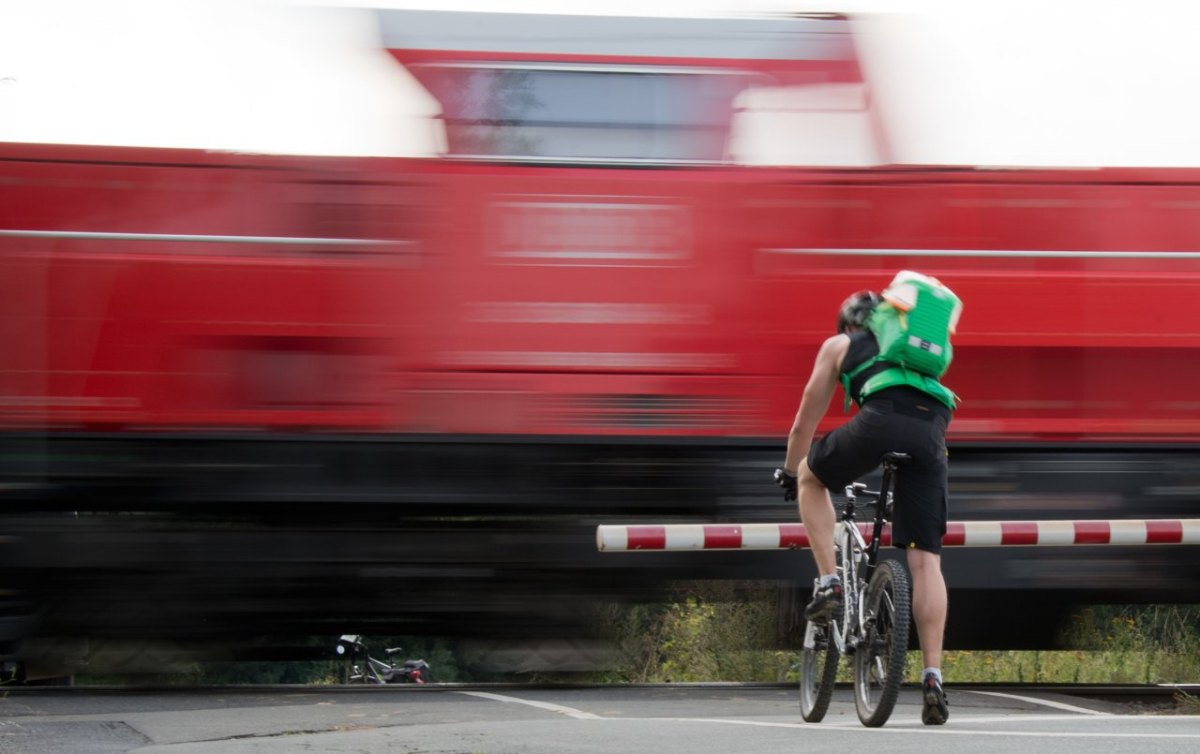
{"type": "Point", "coordinates": [879, 660]}
{"type": "Point", "coordinates": [818, 669]}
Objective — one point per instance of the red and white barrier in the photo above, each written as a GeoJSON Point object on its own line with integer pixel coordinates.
{"type": "Point", "coordinates": [1178, 531]}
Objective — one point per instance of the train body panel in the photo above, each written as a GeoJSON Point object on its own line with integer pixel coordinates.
{"type": "Point", "coordinates": [160, 291]}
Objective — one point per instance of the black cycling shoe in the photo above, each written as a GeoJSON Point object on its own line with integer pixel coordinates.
{"type": "Point", "coordinates": [936, 711]}
{"type": "Point", "coordinates": [826, 603]}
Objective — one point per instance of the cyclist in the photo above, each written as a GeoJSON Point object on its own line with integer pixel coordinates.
{"type": "Point", "coordinates": [902, 419]}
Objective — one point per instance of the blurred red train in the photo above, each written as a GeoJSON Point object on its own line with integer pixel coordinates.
{"type": "Point", "coordinates": [589, 258]}
{"type": "Point", "coordinates": [607, 254]}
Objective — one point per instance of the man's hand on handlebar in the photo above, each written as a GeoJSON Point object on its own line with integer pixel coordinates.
{"type": "Point", "coordinates": [787, 482]}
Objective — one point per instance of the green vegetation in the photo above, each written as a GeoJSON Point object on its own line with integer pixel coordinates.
{"type": "Point", "coordinates": [749, 632]}
{"type": "Point", "coordinates": [714, 632]}
{"type": "Point", "coordinates": [726, 632]}
{"type": "Point", "coordinates": [1127, 644]}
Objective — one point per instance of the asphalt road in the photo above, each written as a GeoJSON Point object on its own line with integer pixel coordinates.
{"type": "Point", "coordinates": [462, 720]}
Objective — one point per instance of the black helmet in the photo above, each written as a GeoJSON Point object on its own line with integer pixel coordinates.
{"type": "Point", "coordinates": [856, 309]}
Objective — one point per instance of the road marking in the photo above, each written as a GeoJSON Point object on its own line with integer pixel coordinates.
{"type": "Point", "coordinates": [560, 709]}
{"type": "Point", "coordinates": [951, 731]}
{"type": "Point", "coordinates": [1042, 702]}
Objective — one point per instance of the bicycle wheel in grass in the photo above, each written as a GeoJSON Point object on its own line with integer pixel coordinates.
{"type": "Point", "coordinates": [818, 667]}
{"type": "Point", "coordinates": [879, 660]}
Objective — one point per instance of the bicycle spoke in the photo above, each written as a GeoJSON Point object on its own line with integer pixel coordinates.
{"type": "Point", "coordinates": [888, 606]}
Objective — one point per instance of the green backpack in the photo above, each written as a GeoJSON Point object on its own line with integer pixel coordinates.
{"type": "Point", "coordinates": [913, 326]}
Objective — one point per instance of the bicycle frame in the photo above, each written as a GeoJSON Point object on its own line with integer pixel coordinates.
{"type": "Point", "coordinates": [372, 671]}
{"type": "Point", "coordinates": [859, 555]}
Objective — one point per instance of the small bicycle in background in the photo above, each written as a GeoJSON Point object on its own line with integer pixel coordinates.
{"type": "Point", "coordinates": [874, 624]}
{"type": "Point", "coordinates": [366, 669]}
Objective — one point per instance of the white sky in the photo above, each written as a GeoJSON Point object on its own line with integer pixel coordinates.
{"type": "Point", "coordinates": [987, 82]}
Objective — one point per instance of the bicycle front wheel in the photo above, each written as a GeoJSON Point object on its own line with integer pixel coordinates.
{"type": "Point", "coordinates": [879, 659]}
{"type": "Point", "coordinates": [818, 668]}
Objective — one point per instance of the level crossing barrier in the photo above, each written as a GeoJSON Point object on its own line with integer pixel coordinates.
{"type": "Point", "coordinates": [791, 536]}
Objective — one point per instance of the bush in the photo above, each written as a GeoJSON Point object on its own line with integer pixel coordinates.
{"type": "Point", "coordinates": [713, 631]}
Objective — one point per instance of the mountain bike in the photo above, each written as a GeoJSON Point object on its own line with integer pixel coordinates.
{"type": "Point", "coordinates": [363, 668]}
{"type": "Point", "coordinates": [873, 627]}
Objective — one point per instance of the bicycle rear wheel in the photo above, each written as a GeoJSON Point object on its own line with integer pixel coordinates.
{"type": "Point", "coordinates": [879, 659]}
{"type": "Point", "coordinates": [818, 668]}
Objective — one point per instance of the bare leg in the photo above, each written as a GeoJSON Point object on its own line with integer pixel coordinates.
{"type": "Point", "coordinates": [816, 512]}
{"type": "Point", "coordinates": [929, 603]}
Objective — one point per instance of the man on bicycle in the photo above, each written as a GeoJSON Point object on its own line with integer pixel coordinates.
{"type": "Point", "coordinates": [901, 419]}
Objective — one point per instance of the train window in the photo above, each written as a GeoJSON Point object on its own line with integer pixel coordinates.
{"type": "Point", "coordinates": [586, 114]}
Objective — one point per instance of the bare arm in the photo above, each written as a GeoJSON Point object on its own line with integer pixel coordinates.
{"type": "Point", "coordinates": [815, 402]}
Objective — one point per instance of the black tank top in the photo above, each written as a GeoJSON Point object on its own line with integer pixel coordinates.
{"type": "Point", "coordinates": [864, 347]}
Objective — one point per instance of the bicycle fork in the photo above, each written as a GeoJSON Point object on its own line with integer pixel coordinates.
{"type": "Point", "coordinates": [848, 630]}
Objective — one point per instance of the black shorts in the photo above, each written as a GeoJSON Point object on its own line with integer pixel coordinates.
{"type": "Point", "coordinates": [856, 448]}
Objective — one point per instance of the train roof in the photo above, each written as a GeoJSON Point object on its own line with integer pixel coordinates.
{"type": "Point", "coordinates": [791, 37]}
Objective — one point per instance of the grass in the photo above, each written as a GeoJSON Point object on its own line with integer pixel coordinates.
{"type": "Point", "coordinates": [728, 632]}
{"type": "Point", "coordinates": [731, 632]}
{"type": "Point", "coordinates": [1125, 644]}
{"type": "Point", "coordinates": [720, 632]}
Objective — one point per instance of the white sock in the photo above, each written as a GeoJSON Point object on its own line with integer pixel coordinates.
{"type": "Point", "coordinates": [827, 579]}
{"type": "Point", "coordinates": [935, 672]}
